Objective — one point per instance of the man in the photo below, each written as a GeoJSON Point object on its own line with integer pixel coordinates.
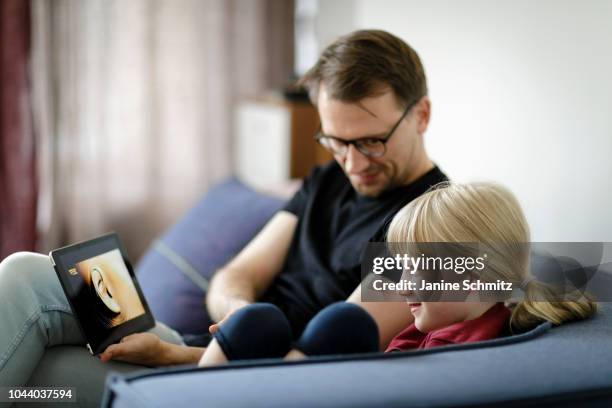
{"type": "Point", "coordinates": [371, 94]}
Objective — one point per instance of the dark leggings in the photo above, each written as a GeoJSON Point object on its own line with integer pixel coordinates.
{"type": "Point", "coordinates": [261, 330]}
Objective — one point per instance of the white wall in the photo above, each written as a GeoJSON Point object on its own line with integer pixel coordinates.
{"type": "Point", "coordinates": [522, 94]}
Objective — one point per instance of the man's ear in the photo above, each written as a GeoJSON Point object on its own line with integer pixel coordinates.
{"type": "Point", "coordinates": [423, 112]}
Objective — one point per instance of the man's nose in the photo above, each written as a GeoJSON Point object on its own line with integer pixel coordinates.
{"type": "Point", "coordinates": [355, 161]}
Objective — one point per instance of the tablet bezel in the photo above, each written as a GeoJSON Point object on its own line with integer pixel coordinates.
{"type": "Point", "coordinates": [65, 258]}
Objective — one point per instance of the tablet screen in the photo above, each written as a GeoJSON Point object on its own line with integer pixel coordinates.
{"type": "Point", "coordinates": [107, 287]}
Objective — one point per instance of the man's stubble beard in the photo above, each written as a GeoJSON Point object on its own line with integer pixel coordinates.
{"type": "Point", "coordinates": [388, 182]}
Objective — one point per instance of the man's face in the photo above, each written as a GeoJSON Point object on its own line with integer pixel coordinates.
{"type": "Point", "coordinates": [374, 117]}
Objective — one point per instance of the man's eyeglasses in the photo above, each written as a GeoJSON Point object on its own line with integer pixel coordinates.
{"type": "Point", "coordinates": [368, 146]}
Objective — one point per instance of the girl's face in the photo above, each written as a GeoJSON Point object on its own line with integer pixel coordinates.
{"type": "Point", "coordinates": [429, 316]}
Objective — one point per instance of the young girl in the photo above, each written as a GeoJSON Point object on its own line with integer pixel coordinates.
{"type": "Point", "coordinates": [483, 213]}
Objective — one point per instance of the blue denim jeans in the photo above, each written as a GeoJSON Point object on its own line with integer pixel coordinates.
{"type": "Point", "coordinates": [35, 320]}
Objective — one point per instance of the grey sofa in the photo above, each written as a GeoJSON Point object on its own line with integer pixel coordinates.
{"type": "Point", "coordinates": [564, 366]}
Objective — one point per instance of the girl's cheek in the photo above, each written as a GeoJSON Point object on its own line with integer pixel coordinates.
{"type": "Point", "coordinates": [432, 316]}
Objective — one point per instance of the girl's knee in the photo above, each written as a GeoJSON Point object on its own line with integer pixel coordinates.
{"type": "Point", "coordinates": [260, 330]}
{"type": "Point", "coordinates": [341, 328]}
{"type": "Point", "coordinates": [258, 317]}
{"type": "Point", "coordinates": [345, 315]}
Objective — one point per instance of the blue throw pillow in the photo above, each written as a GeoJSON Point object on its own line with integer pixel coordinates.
{"type": "Point", "coordinates": [174, 273]}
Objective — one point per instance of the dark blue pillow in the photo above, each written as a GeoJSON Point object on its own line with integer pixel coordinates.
{"type": "Point", "coordinates": [174, 273]}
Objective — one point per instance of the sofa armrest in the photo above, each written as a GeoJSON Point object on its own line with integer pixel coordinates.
{"type": "Point", "coordinates": [535, 368]}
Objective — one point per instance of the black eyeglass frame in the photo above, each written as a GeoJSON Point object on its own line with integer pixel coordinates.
{"type": "Point", "coordinates": [319, 136]}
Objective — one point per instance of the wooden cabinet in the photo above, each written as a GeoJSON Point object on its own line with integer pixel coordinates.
{"type": "Point", "coordinates": [275, 141]}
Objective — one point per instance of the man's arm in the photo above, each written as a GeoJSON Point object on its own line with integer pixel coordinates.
{"type": "Point", "coordinates": [249, 274]}
{"type": "Point", "coordinates": [391, 317]}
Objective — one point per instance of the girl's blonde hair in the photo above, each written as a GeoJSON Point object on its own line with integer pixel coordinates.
{"type": "Point", "coordinates": [489, 214]}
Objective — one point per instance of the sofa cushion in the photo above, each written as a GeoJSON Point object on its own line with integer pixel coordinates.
{"type": "Point", "coordinates": [174, 273]}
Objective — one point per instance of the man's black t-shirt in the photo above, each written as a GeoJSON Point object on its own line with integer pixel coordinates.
{"type": "Point", "coordinates": [323, 264]}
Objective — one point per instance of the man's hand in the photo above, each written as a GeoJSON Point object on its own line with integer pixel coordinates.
{"type": "Point", "coordinates": [236, 304]}
{"type": "Point", "coordinates": [140, 348]}
{"type": "Point", "coordinates": [149, 350]}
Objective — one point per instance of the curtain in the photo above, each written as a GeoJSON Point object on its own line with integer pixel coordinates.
{"type": "Point", "coordinates": [134, 105]}
{"type": "Point", "coordinates": [18, 185]}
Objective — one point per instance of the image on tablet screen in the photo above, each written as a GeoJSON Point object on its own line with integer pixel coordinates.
{"type": "Point", "coordinates": [109, 290]}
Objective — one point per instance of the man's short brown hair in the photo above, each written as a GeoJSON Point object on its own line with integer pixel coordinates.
{"type": "Point", "coordinates": [363, 63]}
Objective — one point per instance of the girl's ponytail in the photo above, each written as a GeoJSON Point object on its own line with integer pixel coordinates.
{"type": "Point", "coordinates": [535, 308]}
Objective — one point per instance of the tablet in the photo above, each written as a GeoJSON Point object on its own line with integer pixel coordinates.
{"type": "Point", "coordinates": [102, 290]}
